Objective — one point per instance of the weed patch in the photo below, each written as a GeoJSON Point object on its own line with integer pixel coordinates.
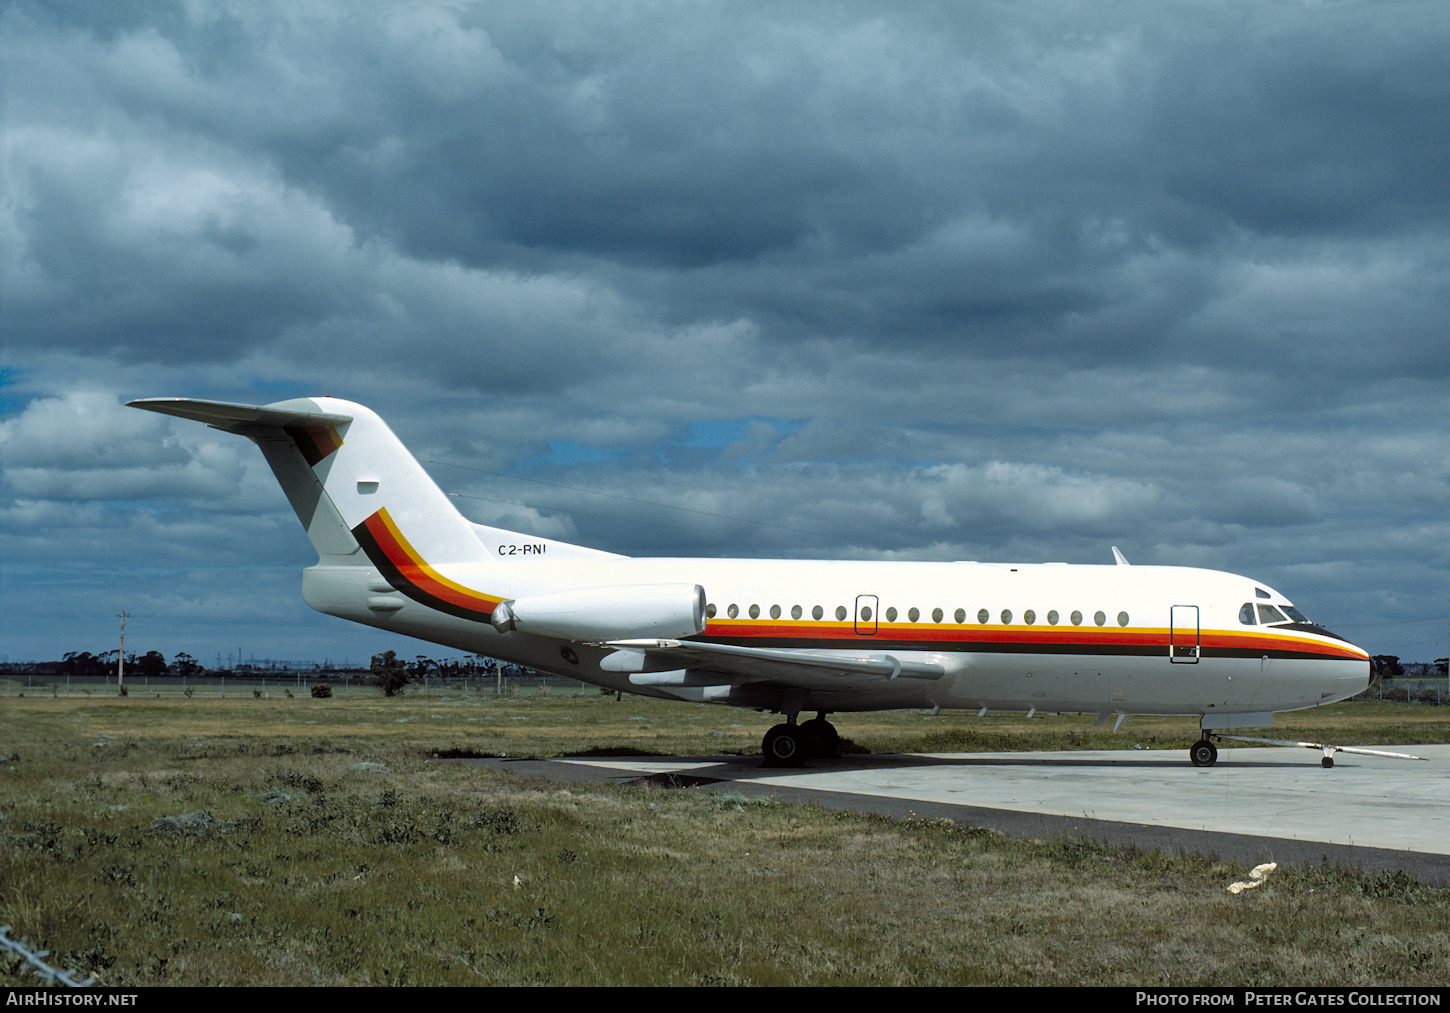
{"type": "Point", "coordinates": [239, 847]}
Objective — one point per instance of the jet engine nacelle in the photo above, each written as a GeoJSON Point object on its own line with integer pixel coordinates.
{"type": "Point", "coordinates": [621, 612]}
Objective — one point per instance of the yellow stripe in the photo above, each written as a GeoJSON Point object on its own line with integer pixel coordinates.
{"type": "Point", "coordinates": [417, 560]}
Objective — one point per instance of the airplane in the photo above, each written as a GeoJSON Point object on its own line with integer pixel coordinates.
{"type": "Point", "coordinates": [782, 635]}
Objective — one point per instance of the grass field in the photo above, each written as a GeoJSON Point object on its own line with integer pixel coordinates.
{"type": "Point", "coordinates": [300, 841]}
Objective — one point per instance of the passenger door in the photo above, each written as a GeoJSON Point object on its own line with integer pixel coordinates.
{"type": "Point", "coordinates": [1183, 635]}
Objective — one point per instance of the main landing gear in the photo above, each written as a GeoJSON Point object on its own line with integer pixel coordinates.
{"type": "Point", "coordinates": [791, 744]}
{"type": "Point", "coordinates": [1203, 753]}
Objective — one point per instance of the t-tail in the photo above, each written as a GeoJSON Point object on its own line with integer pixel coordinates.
{"type": "Point", "coordinates": [382, 527]}
{"type": "Point", "coordinates": [354, 486]}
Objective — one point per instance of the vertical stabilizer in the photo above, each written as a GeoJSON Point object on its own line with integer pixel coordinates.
{"type": "Point", "coordinates": [378, 489]}
{"type": "Point", "coordinates": [350, 481]}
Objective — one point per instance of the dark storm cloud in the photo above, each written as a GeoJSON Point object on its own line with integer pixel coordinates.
{"type": "Point", "coordinates": [1084, 184]}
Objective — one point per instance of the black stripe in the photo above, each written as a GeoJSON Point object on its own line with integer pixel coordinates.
{"type": "Point", "coordinates": [999, 647]}
{"type": "Point", "coordinates": [1309, 628]}
{"type": "Point", "coordinates": [405, 586]}
{"type": "Point", "coordinates": [306, 443]}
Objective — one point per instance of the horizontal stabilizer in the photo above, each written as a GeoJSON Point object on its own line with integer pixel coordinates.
{"type": "Point", "coordinates": [231, 417]}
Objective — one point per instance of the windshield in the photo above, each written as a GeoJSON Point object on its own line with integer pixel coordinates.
{"type": "Point", "coordinates": [1251, 614]}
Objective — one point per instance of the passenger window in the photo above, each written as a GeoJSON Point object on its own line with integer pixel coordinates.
{"type": "Point", "coordinates": [817, 612]}
{"type": "Point", "coordinates": [982, 616]}
{"type": "Point", "coordinates": [1122, 619]}
{"type": "Point", "coordinates": [733, 610]}
{"type": "Point", "coordinates": [755, 612]}
{"type": "Point", "coordinates": [1246, 613]}
{"type": "Point", "coordinates": [709, 611]}
{"type": "Point", "coordinates": [1099, 618]}
{"type": "Point", "coordinates": [775, 612]}
{"type": "Point", "coordinates": [891, 614]}
{"type": "Point", "coordinates": [1052, 618]}
{"type": "Point", "coordinates": [1029, 617]}
{"type": "Point", "coordinates": [1076, 617]}
{"type": "Point", "coordinates": [795, 611]}
{"type": "Point", "coordinates": [961, 616]}
{"type": "Point", "coordinates": [912, 615]}
{"type": "Point", "coordinates": [841, 612]}
{"type": "Point", "coordinates": [1006, 617]}
{"type": "Point", "coordinates": [865, 613]}
{"type": "Point", "coordinates": [936, 615]}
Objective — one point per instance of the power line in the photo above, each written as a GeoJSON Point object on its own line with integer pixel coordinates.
{"type": "Point", "coordinates": [581, 513]}
{"type": "Point", "coordinates": [1393, 622]}
{"type": "Point", "coordinates": [627, 499]}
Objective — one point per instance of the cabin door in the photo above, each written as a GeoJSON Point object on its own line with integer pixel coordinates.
{"type": "Point", "coordinates": [866, 609]}
{"type": "Point", "coordinates": [1183, 635]}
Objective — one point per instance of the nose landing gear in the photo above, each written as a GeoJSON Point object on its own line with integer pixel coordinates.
{"type": "Point", "coordinates": [1203, 753]}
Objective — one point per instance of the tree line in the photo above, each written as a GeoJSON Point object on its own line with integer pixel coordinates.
{"type": "Point", "coordinates": [85, 665]}
{"type": "Point", "coordinates": [1389, 666]}
{"type": "Point", "coordinates": [153, 665]}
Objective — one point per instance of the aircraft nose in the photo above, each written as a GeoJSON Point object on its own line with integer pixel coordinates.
{"type": "Point", "coordinates": [1362, 678]}
{"type": "Point", "coordinates": [1352, 679]}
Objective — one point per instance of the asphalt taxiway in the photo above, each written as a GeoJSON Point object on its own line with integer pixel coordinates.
{"type": "Point", "coordinates": [1257, 804]}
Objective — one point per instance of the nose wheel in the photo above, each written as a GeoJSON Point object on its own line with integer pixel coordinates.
{"type": "Point", "coordinates": [1203, 753]}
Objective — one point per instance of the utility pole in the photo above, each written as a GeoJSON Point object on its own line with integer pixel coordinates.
{"type": "Point", "coordinates": [121, 658]}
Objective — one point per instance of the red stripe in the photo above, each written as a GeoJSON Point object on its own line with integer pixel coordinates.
{"type": "Point", "coordinates": [414, 572]}
{"type": "Point", "coordinates": [1048, 638]}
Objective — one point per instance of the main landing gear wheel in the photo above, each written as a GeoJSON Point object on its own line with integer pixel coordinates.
{"type": "Point", "coordinates": [820, 737]}
{"type": "Point", "coordinates": [1203, 753]}
{"type": "Point", "coordinates": [784, 746]}
{"type": "Point", "coordinates": [790, 745]}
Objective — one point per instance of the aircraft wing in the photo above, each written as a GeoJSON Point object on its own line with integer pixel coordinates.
{"type": "Point", "coordinates": [726, 663]}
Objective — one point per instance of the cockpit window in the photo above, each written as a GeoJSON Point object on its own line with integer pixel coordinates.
{"type": "Point", "coordinates": [1261, 593]}
{"type": "Point", "coordinates": [1246, 614]}
{"type": "Point", "coordinates": [1296, 615]}
{"type": "Point", "coordinates": [1269, 614]}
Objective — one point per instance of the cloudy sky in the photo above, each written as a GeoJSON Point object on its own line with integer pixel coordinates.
{"type": "Point", "coordinates": [1000, 281]}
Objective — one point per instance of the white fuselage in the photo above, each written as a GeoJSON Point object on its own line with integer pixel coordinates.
{"type": "Point", "coordinates": [1056, 637]}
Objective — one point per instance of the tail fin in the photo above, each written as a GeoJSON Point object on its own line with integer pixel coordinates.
{"type": "Point", "coordinates": [349, 479]}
